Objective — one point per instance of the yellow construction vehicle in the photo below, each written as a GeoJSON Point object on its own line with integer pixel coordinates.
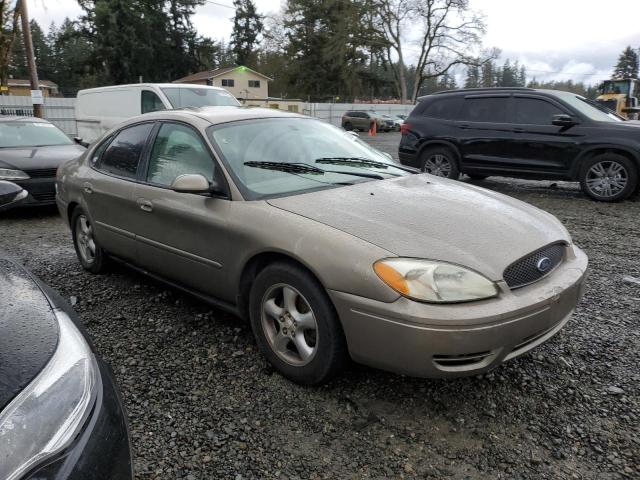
{"type": "Point", "coordinates": [619, 96]}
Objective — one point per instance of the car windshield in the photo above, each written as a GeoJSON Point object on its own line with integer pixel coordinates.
{"type": "Point", "coordinates": [588, 108]}
{"type": "Point", "coordinates": [181, 97]}
{"type": "Point", "coordinates": [281, 156]}
{"type": "Point", "coordinates": [31, 134]}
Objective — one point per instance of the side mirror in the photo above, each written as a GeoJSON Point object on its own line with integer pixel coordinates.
{"type": "Point", "coordinates": [563, 120]}
{"type": "Point", "coordinates": [79, 141]}
{"type": "Point", "coordinates": [191, 183]}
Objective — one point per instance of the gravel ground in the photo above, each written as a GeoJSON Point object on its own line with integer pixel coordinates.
{"type": "Point", "coordinates": [204, 404]}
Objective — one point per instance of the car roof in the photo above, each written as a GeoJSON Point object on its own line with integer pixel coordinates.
{"type": "Point", "coordinates": [16, 118]}
{"type": "Point", "coordinates": [217, 114]}
{"type": "Point", "coordinates": [148, 85]}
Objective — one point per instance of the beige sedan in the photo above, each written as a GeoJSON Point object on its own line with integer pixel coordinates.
{"type": "Point", "coordinates": [331, 249]}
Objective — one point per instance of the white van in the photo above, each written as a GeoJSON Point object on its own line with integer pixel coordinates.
{"type": "Point", "coordinates": [100, 109]}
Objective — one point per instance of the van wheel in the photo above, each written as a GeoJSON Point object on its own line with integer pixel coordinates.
{"type": "Point", "coordinates": [441, 162]}
{"type": "Point", "coordinates": [609, 177]}
{"type": "Point", "coordinates": [295, 325]}
{"type": "Point", "coordinates": [92, 257]}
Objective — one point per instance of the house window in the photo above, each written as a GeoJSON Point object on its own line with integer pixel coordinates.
{"type": "Point", "coordinates": [254, 83]}
{"type": "Point", "coordinates": [228, 82]}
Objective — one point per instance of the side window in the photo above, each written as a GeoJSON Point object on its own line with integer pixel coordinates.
{"type": "Point", "coordinates": [122, 155]}
{"type": "Point", "coordinates": [487, 109]}
{"type": "Point", "coordinates": [178, 150]}
{"type": "Point", "coordinates": [443, 108]}
{"type": "Point", "coordinates": [97, 153]}
{"type": "Point", "coordinates": [151, 102]}
{"type": "Point", "coordinates": [534, 111]}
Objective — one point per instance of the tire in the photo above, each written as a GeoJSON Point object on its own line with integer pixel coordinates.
{"type": "Point", "coordinates": [284, 297]}
{"type": "Point", "coordinates": [474, 176]}
{"type": "Point", "coordinates": [441, 162]}
{"type": "Point", "coordinates": [609, 177]}
{"type": "Point", "coordinates": [348, 126]}
{"type": "Point", "coordinates": [95, 260]}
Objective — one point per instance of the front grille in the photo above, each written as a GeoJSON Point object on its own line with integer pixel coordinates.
{"type": "Point", "coordinates": [44, 196]}
{"type": "Point", "coordinates": [42, 172]}
{"type": "Point", "coordinates": [526, 271]}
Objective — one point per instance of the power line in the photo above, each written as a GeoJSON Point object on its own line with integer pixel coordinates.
{"type": "Point", "coordinates": [219, 4]}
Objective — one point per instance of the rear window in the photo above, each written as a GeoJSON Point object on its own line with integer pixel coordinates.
{"type": "Point", "coordinates": [31, 134]}
{"type": "Point", "coordinates": [122, 156]}
{"type": "Point", "coordinates": [485, 109]}
{"type": "Point", "coordinates": [444, 108]}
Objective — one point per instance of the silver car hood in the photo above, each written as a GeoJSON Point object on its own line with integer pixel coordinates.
{"type": "Point", "coordinates": [423, 216]}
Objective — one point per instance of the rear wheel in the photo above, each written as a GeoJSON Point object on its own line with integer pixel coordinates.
{"type": "Point", "coordinates": [295, 324]}
{"type": "Point", "coordinates": [441, 162]}
{"type": "Point", "coordinates": [609, 177]}
{"type": "Point", "coordinates": [92, 257]}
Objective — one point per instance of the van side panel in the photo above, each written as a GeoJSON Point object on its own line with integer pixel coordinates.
{"type": "Point", "coordinates": [98, 111]}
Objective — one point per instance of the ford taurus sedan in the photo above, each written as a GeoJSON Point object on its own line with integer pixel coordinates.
{"type": "Point", "coordinates": [328, 247]}
{"type": "Point", "coordinates": [60, 412]}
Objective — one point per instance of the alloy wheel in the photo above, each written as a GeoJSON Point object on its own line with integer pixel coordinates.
{"type": "Point", "coordinates": [86, 242]}
{"type": "Point", "coordinates": [607, 178]}
{"type": "Point", "coordinates": [437, 164]}
{"type": "Point", "coordinates": [289, 325]}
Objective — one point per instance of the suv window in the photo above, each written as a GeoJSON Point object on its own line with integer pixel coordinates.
{"type": "Point", "coordinates": [444, 108]}
{"type": "Point", "coordinates": [535, 111]}
{"type": "Point", "coordinates": [122, 156]}
{"type": "Point", "coordinates": [485, 109]}
{"type": "Point", "coordinates": [178, 150]}
{"type": "Point", "coordinates": [151, 102]}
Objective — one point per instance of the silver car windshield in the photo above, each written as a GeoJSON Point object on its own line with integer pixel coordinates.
{"type": "Point", "coordinates": [251, 150]}
{"type": "Point", "coordinates": [31, 134]}
{"type": "Point", "coordinates": [181, 97]}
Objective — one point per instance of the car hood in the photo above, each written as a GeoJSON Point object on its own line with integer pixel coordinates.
{"type": "Point", "coordinates": [27, 158]}
{"type": "Point", "coordinates": [428, 217]}
{"type": "Point", "coordinates": [28, 330]}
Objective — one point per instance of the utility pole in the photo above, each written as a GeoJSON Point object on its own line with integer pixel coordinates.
{"type": "Point", "coordinates": [31, 61]}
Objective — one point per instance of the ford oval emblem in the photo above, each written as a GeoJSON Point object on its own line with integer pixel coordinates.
{"type": "Point", "coordinates": [544, 264]}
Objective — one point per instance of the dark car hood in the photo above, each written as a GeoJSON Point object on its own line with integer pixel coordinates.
{"type": "Point", "coordinates": [28, 330]}
{"type": "Point", "coordinates": [423, 216]}
{"type": "Point", "coordinates": [27, 158]}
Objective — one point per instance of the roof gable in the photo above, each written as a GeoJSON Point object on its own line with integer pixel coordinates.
{"type": "Point", "coordinates": [209, 74]}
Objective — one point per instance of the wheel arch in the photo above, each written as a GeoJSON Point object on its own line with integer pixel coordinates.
{"type": "Point", "coordinates": [441, 143]}
{"type": "Point", "coordinates": [70, 208]}
{"type": "Point", "coordinates": [599, 150]}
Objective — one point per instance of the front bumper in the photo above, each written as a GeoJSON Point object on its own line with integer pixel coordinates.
{"type": "Point", "coordinates": [429, 340]}
{"type": "Point", "coordinates": [42, 191]}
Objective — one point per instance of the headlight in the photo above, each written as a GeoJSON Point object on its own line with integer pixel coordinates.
{"type": "Point", "coordinates": [45, 417]}
{"type": "Point", "coordinates": [8, 174]}
{"type": "Point", "coordinates": [430, 281]}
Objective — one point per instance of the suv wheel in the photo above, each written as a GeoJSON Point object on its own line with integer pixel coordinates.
{"type": "Point", "coordinates": [295, 324]}
{"type": "Point", "coordinates": [609, 177]}
{"type": "Point", "coordinates": [441, 162]}
{"type": "Point", "coordinates": [92, 257]}
{"type": "Point", "coordinates": [348, 126]}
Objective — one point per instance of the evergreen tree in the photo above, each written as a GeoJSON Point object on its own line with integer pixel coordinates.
{"type": "Point", "coordinates": [247, 27]}
{"type": "Point", "coordinates": [488, 78]}
{"type": "Point", "coordinates": [473, 77]}
{"type": "Point", "coordinates": [628, 65]}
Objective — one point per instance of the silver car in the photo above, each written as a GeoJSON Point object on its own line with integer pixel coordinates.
{"type": "Point", "coordinates": [328, 247]}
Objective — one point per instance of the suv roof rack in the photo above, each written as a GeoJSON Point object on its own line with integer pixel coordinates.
{"type": "Point", "coordinates": [484, 89]}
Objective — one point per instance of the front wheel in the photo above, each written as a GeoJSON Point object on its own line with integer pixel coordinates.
{"type": "Point", "coordinates": [92, 257]}
{"type": "Point", "coordinates": [609, 177]}
{"type": "Point", "coordinates": [441, 162]}
{"type": "Point", "coordinates": [348, 126]}
{"type": "Point", "coordinates": [295, 324]}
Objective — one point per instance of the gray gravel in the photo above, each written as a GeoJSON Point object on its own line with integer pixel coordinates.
{"type": "Point", "coordinates": [204, 404]}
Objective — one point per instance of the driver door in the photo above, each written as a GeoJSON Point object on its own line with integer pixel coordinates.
{"type": "Point", "coordinates": [180, 235]}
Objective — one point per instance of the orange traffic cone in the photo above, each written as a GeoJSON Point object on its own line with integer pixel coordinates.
{"type": "Point", "coordinates": [372, 129]}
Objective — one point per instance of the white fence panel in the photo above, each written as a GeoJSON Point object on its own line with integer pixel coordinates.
{"type": "Point", "coordinates": [59, 111]}
{"type": "Point", "coordinates": [332, 112]}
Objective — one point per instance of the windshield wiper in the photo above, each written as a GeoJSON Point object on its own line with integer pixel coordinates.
{"type": "Point", "coordinates": [305, 168]}
{"type": "Point", "coordinates": [361, 162]}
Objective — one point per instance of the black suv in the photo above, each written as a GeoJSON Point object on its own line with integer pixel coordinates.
{"type": "Point", "coordinates": [524, 133]}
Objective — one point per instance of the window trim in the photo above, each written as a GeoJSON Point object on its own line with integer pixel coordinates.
{"type": "Point", "coordinates": [220, 177]}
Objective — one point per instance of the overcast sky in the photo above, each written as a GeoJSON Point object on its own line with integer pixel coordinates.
{"type": "Point", "coordinates": [579, 38]}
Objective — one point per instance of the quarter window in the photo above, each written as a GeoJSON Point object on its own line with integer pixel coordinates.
{"type": "Point", "coordinates": [486, 109]}
{"type": "Point", "coordinates": [97, 153]}
{"type": "Point", "coordinates": [254, 83]}
{"type": "Point", "coordinates": [533, 111]}
{"type": "Point", "coordinates": [178, 150]}
{"type": "Point", "coordinates": [151, 102]}
{"type": "Point", "coordinates": [122, 156]}
{"type": "Point", "coordinates": [228, 82]}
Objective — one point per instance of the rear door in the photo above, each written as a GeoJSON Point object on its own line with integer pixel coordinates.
{"type": "Point", "coordinates": [109, 188]}
{"type": "Point", "coordinates": [484, 132]}
{"type": "Point", "coordinates": [181, 236]}
{"type": "Point", "coordinates": [539, 147]}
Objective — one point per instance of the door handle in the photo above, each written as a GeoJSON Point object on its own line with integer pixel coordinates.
{"type": "Point", "coordinates": [88, 188]}
{"type": "Point", "coordinates": [145, 205]}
